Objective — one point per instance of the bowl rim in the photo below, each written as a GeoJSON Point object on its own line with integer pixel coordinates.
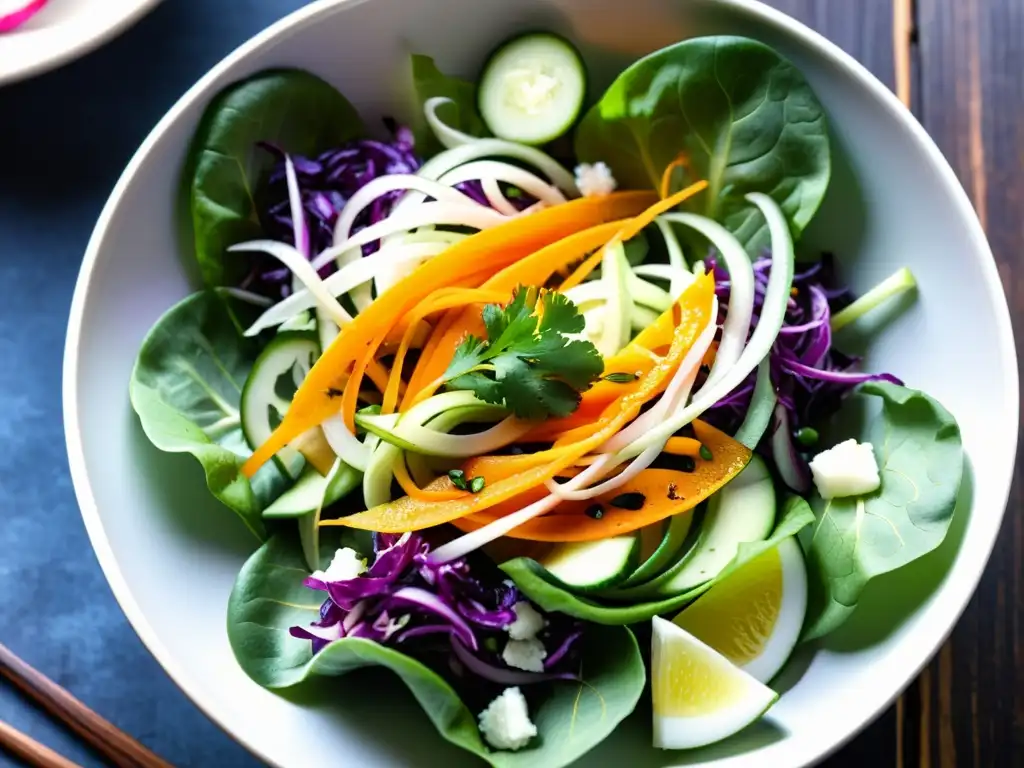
{"type": "Point", "coordinates": [51, 57]}
{"type": "Point", "coordinates": [756, 9]}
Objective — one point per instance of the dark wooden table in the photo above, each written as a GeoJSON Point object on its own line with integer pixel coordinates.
{"type": "Point", "coordinates": [966, 83]}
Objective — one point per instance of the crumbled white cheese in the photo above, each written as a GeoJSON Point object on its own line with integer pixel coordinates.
{"type": "Point", "coordinates": [528, 622]}
{"type": "Point", "coordinates": [847, 469]}
{"type": "Point", "coordinates": [527, 655]}
{"type": "Point", "coordinates": [595, 180]}
{"type": "Point", "coordinates": [346, 565]}
{"type": "Point", "coordinates": [506, 724]}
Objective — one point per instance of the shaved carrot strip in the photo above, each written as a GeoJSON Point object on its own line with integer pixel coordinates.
{"type": "Point", "coordinates": [666, 492]}
{"type": "Point", "coordinates": [535, 269]}
{"type": "Point", "coordinates": [448, 298]}
{"type": "Point", "coordinates": [666, 177]}
{"type": "Point", "coordinates": [683, 446]}
{"type": "Point", "coordinates": [632, 229]}
{"type": "Point", "coordinates": [414, 491]}
{"type": "Point", "coordinates": [487, 251]}
{"type": "Point", "coordinates": [525, 472]}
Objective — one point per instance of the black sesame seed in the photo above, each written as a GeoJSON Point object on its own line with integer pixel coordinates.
{"type": "Point", "coordinates": [631, 501]}
{"type": "Point", "coordinates": [595, 511]}
{"type": "Point", "coordinates": [687, 464]}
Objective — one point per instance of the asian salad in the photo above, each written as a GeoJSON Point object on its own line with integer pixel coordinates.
{"type": "Point", "coordinates": [539, 372]}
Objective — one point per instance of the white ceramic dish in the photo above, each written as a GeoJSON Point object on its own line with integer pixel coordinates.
{"type": "Point", "coordinates": [63, 31]}
{"type": "Point", "coordinates": [170, 553]}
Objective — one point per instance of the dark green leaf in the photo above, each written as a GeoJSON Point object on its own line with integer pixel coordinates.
{"type": "Point", "coordinates": [186, 387]}
{"type": "Point", "coordinates": [540, 586]}
{"type": "Point", "coordinates": [920, 458]}
{"type": "Point", "coordinates": [226, 171]}
{"type": "Point", "coordinates": [460, 113]}
{"type": "Point", "coordinates": [571, 717]}
{"type": "Point", "coordinates": [743, 116]}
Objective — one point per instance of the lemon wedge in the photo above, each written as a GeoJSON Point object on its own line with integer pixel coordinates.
{"type": "Point", "coordinates": [698, 696]}
{"type": "Point", "coordinates": [753, 616]}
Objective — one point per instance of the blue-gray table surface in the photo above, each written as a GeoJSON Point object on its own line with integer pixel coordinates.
{"type": "Point", "coordinates": [66, 136]}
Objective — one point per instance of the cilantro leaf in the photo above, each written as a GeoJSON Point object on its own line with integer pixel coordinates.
{"type": "Point", "coordinates": [529, 361]}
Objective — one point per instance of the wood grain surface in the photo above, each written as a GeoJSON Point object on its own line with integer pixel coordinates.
{"type": "Point", "coordinates": [964, 64]}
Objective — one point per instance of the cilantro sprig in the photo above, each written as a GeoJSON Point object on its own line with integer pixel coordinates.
{"type": "Point", "coordinates": [529, 363]}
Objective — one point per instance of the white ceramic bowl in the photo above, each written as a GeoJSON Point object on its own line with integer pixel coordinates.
{"type": "Point", "coordinates": [171, 553]}
{"type": "Point", "coordinates": [63, 31]}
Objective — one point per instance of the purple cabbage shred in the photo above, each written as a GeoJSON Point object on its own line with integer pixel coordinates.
{"type": "Point", "coordinates": [809, 375]}
{"type": "Point", "coordinates": [405, 602]}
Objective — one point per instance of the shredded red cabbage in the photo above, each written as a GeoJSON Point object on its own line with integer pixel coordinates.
{"type": "Point", "coordinates": [406, 602]}
{"type": "Point", "coordinates": [810, 376]}
{"type": "Point", "coordinates": [326, 184]}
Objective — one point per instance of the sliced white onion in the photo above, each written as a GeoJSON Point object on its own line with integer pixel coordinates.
{"type": "Point", "coordinates": [510, 174]}
{"type": "Point", "coordinates": [382, 185]}
{"type": "Point", "coordinates": [344, 280]}
{"type": "Point", "coordinates": [391, 273]}
{"type": "Point", "coordinates": [345, 445]}
{"type": "Point", "coordinates": [676, 260]}
{"type": "Point", "coordinates": [302, 270]}
{"type": "Point", "coordinates": [460, 446]}
{"type": "Point", "coordinates": [497, 200]}
{"type": "Point", "coordinates": [432, 213]}
{"type": "Point", "coordinates": [450, 159]}
{"type": "Point", "coordinates": [741, 291]}
{"type": "Point", "coordinates": [448, 136]}
{"type": "Point", "coordinates": [773, 315]}
{"type": "Point", "coordinates": [678, 279]}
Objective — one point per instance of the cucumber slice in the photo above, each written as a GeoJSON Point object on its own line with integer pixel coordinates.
{"type": "Point", "coordinates": [743, 511]}
{"type": "Point", "coordinates": [441, 413]}
{"type": "Point", "coordinates": [311, 490]}
{"type": "Point", "coordinates": [591, 565]}
{"type": "Point", "coordinates": [409, 433]}
{"type": "Point", "coordinates": [286, 351]}
{"type": "Point", "coordinates": [532, 88]}
{"type": "Point", "coordinates": [673, 534]}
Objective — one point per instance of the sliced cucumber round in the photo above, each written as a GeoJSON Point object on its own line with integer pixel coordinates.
{"type": "Point", "coordinates": [532, 88]}
{"type": "Point", "coordinates": [591, 565]}
{"type": "Point", "coordinates": [286, 352]}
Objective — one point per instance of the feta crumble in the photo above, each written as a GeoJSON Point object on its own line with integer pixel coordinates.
{"type": "Point", "coordinates": [346, 565]}
{"type": "Point", "coordinates": [847, 469]}
{"type": "Point", "coordinates": [527, 655]}
{"type": "Point", "coordinates": [506, 724]}
{"type": "Point", "coordinates": [527, 624]}
{"type": "Point", "coordinates": [595, 180]}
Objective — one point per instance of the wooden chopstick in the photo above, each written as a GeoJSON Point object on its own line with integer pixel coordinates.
{"type": "Point", "coordinates": [115, 745]}
{"type": "Point", "coordinates": [903, 35]}
{"type": "Point", "coordinates": [31, 751]}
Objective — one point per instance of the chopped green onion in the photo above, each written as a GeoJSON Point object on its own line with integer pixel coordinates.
{"type": "Point", "coordinates": [705, 453]}
{"type": "Point", "coordinates": [891, 287]}
{"type": "Point", "coordinates": [477, 484]}
{"type": "Point", "coordinates": [458, 478]}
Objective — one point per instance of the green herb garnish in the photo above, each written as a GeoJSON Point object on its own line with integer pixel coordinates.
{"type": "Point", "coordinates": [477, 484]}
{"type": "Point", "coordinates": [458, 478]}
{"type": "Point", "coordinates": [528, 363]}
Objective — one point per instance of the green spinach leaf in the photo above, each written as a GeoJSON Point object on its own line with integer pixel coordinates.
{"type": "Point", "coordinates": [920, 458]}
{"type": "Point", "coordinates": [460, 113]}
{"type": "Point", "coordinates": [538, 585]}
{"type": "Point", "coordinates": [186, 387]}
{"type": "Point", "coordinates": [744, 118]}
{"type": "Point", "coordinates": [226, 170]}
{"type": "Point", "coordinates": [571, 719]}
